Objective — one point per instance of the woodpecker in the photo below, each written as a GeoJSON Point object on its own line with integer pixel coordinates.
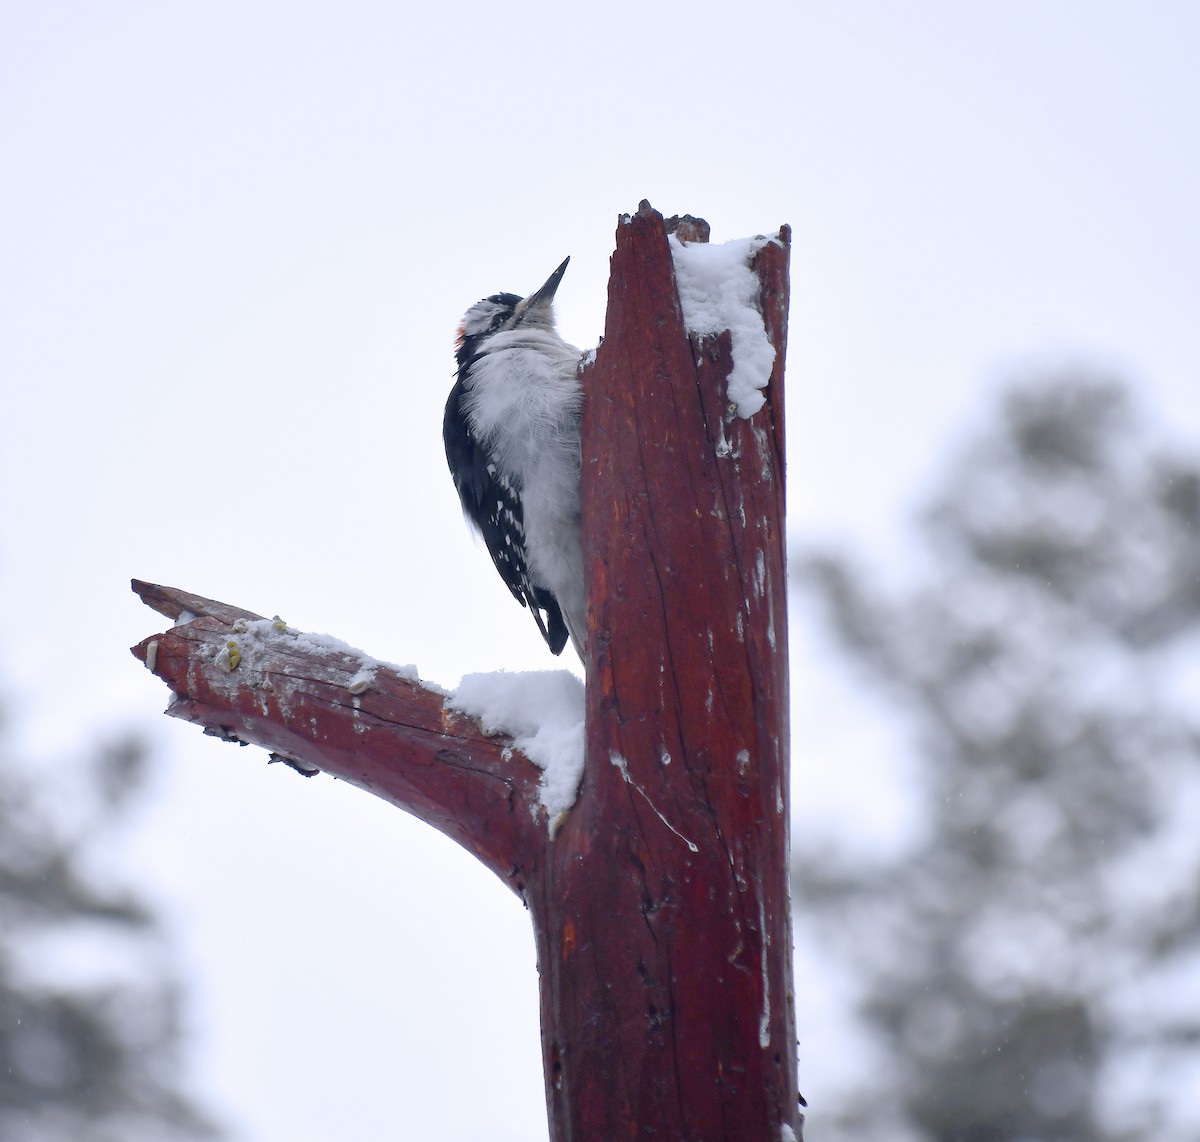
{"type": "Point", "coordinates": [511, 432]}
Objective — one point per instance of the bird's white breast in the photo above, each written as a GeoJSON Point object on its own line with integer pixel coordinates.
{"type": "Point", "coordinates": [524, 399]}
{"type": "Point", "coordinates": [523, 404]}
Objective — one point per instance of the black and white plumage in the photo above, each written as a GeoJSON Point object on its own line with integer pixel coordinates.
{"type": "Point", "coordinates": [511, 431]}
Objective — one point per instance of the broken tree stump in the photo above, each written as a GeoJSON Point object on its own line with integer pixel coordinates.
{"type": "Point", "coordinates": [660, 901]}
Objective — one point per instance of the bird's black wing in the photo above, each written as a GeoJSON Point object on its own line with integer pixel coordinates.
{"type": "Point", "coordinates": [493, 507]}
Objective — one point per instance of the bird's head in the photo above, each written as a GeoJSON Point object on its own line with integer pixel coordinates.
{"type": "Point", "coordinates": [506, 311]}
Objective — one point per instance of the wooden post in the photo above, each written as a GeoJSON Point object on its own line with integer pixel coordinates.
{"type": "Point", "coordinates": [663, 923]}
{"type": "Point", "coordinates": [660, 905]}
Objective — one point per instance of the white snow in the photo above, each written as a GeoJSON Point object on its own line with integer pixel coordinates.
{"type": "Point", "coordinates": [764, 1019]}
{"type": "Point", "coordinates": [717, 291]}
{"type": "Point", "coordinates": [362, 681]}
{"type": "Point", "coordinates": [326, 643]}
{"type": "Point", "coordinates": [543, 712]}
{"type": "Point", "coordinates": [251, 641]}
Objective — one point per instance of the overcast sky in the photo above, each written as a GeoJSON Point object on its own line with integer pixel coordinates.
{"type": "Point", "coordinates": [236, 242]}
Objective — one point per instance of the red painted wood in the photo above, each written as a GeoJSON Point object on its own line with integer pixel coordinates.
{"type": "Point", "coordinates": [663, 918]}
{"type": "Point", "coordinates": [395, 739]}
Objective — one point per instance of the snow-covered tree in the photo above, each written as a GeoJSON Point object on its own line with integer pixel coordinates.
{"type": "Point", "coordinates": [1032, 964]}
{"type": "Point", "coordinates": [89, 1035]}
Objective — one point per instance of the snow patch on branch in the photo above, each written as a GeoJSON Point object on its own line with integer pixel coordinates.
{"type": "Point", "coordinates": [543, 712]}
{"type": "Point", "coordinates": [718, 290]}
{"type": "Point", "coordinates": [327, 645]}
{"type": "Point", "coordinates": [246, 657]}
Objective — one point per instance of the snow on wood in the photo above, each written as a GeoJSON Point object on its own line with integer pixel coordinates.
{"type": "Point", "coordinates": [542, 711]}
{"type": "Point", "coordinates": [719, 290]}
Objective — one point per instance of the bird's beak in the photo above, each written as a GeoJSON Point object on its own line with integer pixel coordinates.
{"type": "Point", "coordinates": [544, 295]}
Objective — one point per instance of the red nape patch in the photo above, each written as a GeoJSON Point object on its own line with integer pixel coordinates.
{"type": "Point", "coordinates": [459, 334]}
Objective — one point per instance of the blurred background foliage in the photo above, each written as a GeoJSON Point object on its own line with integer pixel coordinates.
{"type": "Point", "coordinates": [1030, 962]}
{"type": "Point", "coordinates": [91, 1040]}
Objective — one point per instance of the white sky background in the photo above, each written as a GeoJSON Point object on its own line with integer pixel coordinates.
{"type": "Point", "coordinates": [236, 241]}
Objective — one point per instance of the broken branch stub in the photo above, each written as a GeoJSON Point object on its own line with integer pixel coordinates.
{"type": "Point", "coordinates": [324, 706]}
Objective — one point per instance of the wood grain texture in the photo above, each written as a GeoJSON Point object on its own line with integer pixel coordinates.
{"type": "Point", "coordinates": [664, 923]}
